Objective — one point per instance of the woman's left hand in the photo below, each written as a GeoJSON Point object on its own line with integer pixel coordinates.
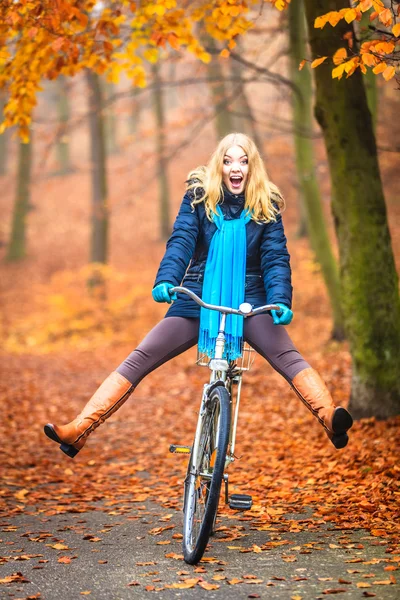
{"type": "Point", "coordinates": [284, 316]}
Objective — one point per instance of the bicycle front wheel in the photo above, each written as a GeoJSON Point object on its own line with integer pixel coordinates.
{"type": "Point", "coordinates": [205, 474]}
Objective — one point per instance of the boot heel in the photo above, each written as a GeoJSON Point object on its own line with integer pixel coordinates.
{"type": "Point", "coordinates": [339, 440]}
{"type": "Point", "coordinates": [342, 420]}
{"type": "Point", "coordinates": [69, 450]}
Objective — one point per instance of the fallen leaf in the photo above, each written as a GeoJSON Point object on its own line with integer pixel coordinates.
{"type": "Point", "coordinates": [334, 591]}
{"type": "Point", "coordinates": [64, 559]}
{"type": "Point", "coordinates": [208, 586]}
{"type": "Point", "coordinates": [363, 584]}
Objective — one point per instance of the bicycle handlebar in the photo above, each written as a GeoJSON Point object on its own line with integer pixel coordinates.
{"type": "Point", "coordinates": [245, 309]}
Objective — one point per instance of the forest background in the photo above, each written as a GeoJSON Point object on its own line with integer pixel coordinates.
{"type": "Point", "coordinates": [88, 204]}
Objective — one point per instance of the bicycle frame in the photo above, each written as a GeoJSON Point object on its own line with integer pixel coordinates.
{"type": "Point", "coordinates": [220, 368]}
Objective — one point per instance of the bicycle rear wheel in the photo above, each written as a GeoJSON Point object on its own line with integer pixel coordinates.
{"type": "Point", "coordinates": [205, 474]}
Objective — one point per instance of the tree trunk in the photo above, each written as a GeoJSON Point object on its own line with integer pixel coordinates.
{"type": "Point", "coordinates": [158, 101]}
{"type": "Point", "coordinates": [110, 118]}
{"type": "Point", "coordinates": [135, 111]}
{"type": "Point", "coordinates": [99, 220]}
{"type": "Point", "coordinates": [309, 189]}
{"type": "Point", "coordinates": [63, 154]}
{"type": "Point", "coordinates": [4, 139]}
{"type": "Point", "coordinates": [223, 117]}
{"type": "Point", "coordinates": [371, 87]}
{"type": "Point", "coordinates": [17, 244]}
{"type": "Point", "coordinates": [371, 303]}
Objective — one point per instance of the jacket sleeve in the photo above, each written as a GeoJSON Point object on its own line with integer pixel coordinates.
{"type": "Point", "coordinates": [275, 264]}
{"type": "Point", "coordinates": [181, 244]}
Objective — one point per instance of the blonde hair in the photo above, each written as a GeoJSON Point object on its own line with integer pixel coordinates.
{"type": "Point", "coordinates": [262, 197]}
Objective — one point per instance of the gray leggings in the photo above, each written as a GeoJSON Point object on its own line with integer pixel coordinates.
{"type": "Point", "coordinates": [174, 335]}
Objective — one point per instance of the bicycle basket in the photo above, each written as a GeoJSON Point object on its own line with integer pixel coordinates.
{"type": "Point", "coordinates": [243, 363]}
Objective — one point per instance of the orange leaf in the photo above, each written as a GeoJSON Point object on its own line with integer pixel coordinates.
{"type": "Point", "coordinates": [396, 30]}
{"type": "Point", "coordinates": [368, 59]}
{"type": "Point", "coordinates": [388, 73]}
{"type": "Point", "coordinates": [64, 559]}
{"type": "Point", "coordinates": [386, 17]}
{"type": "Point", "coordinates": [365, 5]}
{"type": "Point", "coordinates": [301, 65]}
{"type": "Point", "coordinates": [58, 44]}
{"type": "Point", "coordinates": [59, 547]}
{"type": "Point", "coordinates": [208, 586]}
{"type": "Point", "coordinates": [378, 69]}
{"type": "Point", "coordinates": [339, 56]}
{"type": "Point", "coordinates": [225, 53]}
{"type": "Point", "coordinates": [318, 61]}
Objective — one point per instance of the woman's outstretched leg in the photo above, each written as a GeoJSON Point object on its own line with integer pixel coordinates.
{"type": "Point", "coordinates": [167, 339]}
{"type": "Point", "coordinates": [274, 344]}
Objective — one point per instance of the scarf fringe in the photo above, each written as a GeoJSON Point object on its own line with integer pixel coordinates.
{"type": "Point", "coordinates": [233, 345]}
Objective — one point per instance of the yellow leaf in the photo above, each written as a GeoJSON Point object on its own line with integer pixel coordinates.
{"type": "Point", "coordinates": [318, 61]}
{"type": "Point", "coordinates": [350, 15]}
{"type": "Point", "coordinates": [339, 56]}
{"type": "Point", "coordinates": [396, 30]}
{"type": "Point", "coordinates": [338, 71]}
{"type": "Point", "coordinates": [320, 22]}
{"type": "Point", "coordinates": [280, 4]}
{"type": "Point", "coordinates": [59, 547]}
{"type": "Point", "coordinates": [388, 73]}
{"type": "Point", "coordinates": [21, 495]}
{"type": "Point", "coordinates": [334, 17]}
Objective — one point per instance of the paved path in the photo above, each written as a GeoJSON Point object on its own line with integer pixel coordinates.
{"type": "Point", "coordinates": [106, 554]}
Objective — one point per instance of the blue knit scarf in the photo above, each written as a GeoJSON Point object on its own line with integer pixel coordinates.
{"type": "Point", "coordinates": [224, 280]}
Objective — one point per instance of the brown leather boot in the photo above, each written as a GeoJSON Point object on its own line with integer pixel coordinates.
{"type": "Point", "coordinates": [105, 401]}
{"type": "Point", "coordinates": [311, 389]}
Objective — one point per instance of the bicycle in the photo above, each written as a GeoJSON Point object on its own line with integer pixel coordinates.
{"type": "Point", "coordinates": [213, 448]}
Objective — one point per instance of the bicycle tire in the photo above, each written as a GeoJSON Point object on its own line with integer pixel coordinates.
{"type": "Point", "coordinates": [202, 494]}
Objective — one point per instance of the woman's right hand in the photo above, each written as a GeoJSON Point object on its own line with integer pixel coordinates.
{"type": "Point", "coordinates": [161, 292]}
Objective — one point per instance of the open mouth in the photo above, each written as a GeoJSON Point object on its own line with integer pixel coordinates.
{"type": "Point", "coordinates": [236, 181]}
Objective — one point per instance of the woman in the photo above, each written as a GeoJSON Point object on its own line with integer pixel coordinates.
{"type": "Point", "coordinates": [229, 233]}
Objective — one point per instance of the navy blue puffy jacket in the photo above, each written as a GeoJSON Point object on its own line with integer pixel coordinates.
{"type": "Point", "coordinates": [268, 273]}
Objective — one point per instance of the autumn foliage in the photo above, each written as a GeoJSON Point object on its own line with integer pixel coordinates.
{"type": "Point", "coordinates": [379, 48]}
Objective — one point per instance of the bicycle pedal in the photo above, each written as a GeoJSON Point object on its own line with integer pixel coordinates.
{"type": "Point", "coordinates": [179, 449]}
{"type": "Point", "coordinates": [240, 502]}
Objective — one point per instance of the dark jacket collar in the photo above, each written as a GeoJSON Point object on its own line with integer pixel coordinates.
{"type": "Point", "coordinates": [230, 198]}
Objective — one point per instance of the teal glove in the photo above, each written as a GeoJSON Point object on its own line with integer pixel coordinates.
{"type": "Point", "coordinates": [161, 292]}
{"type": "Point", "coordinates": [284, 316]}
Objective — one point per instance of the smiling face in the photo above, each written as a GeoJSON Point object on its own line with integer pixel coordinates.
{"type": "Point", "coordinates": [235, 169]}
